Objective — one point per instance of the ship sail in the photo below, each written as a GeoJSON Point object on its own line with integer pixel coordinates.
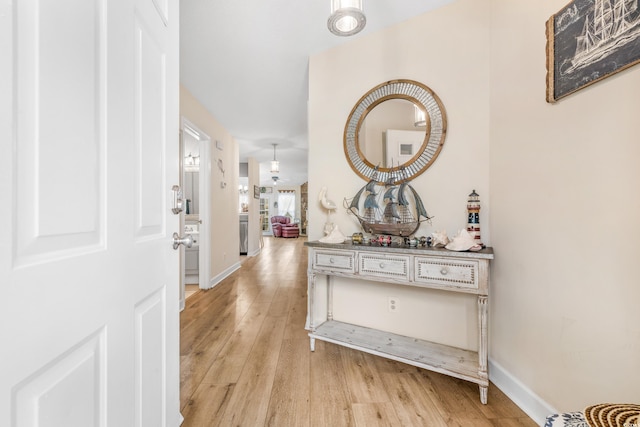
{"type": "Point", "coordinates": [391, 214]}
{"type": "Point", "coordinates": [355, 203]}
{"type": "Point", "coordinates": [422, 212]}
{"type": "Point", "coordinates": [389, 193]}
{"type": "Point", "coordinates": [622, 11]}
{"type": "Point", "coordinates": [585, 41]}
{"type": "Point", "coordinates": [602, 19]}
{"type": "Point", "coordinates": [402, 198]}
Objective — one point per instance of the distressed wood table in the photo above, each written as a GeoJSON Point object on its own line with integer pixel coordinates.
{"type": "Point", "coordinates": [429, 268]}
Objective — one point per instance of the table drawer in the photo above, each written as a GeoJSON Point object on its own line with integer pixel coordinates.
{"type": "Point", "coordinates": [389, 266]}
{"type": "Point", "coordinates": [334, 260]}
{"type": "Point", "coordinates": [459, 274]}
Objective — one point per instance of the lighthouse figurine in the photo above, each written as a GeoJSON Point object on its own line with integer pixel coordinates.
{"type": "Point", "coordinates": [473, 224]}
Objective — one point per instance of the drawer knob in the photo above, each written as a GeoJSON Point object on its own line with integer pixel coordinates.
{"type": "Point", "coordinates": [382, 265]}
{"type": "Point", "coordinates": [332, 261]}
{"type": "Point", "coordinates": [444, 271]}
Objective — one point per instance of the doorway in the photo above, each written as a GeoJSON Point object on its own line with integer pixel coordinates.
{"type": "Point", "coordinates": [194, 181]}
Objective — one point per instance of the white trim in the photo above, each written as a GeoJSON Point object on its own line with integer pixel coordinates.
{"type": "Point", "coordinates": [220, 277]}
{"type": "Point", "coordinates": [254, 253]}
{"type": "Point", "coordinates": [532, 404]}
{"type": "Point", "coordinates": [204, 252]}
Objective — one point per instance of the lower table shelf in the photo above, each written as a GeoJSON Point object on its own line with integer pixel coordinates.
{"type": "Point", "coordinates": [435, 357]}
{"type": "Point", "coordinates": [420, 268]}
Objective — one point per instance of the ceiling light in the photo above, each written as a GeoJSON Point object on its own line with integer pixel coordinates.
{"type": "Point", "coordinates": [275, 164]}
{"type": "Point", "coordinates": [420, 116]}
{"type": "Point", "coordinates": [347, 17]}
{"type": "Point", "coordinates": [275, 180]}
{"type": "Point", "coordinates": [191, 163]}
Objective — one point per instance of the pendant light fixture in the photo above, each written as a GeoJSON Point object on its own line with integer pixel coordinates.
{"type": "Point", "coordinates": [347, 17]}
{"type": "Point", "coordinates": [275, 164]}
{"type": "Point", "coordinates": [420, 117]}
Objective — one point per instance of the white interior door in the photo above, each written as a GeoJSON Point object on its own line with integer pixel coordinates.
{"type": "Point", "coordinates": [89, 278]}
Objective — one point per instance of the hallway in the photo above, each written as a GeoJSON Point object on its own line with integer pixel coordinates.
{"type": "Point", "coordinates": [245, 361]}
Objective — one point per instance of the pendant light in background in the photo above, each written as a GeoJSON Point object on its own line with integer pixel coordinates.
{"type": "Point", "coordinates": [275, 164]}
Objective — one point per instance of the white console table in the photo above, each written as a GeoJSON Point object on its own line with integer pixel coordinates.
{"type": "Point", "coordinates": [432, 268]}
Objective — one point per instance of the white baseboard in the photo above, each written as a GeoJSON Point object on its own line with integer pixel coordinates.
{"type": "Point", "coordinates": [220, 277]}
{"type": "Point", "coordinates": [254, 253]}
{"type": "Point", "coordinates": [532, 404]}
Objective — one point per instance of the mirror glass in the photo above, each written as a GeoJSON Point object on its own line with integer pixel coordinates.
{"type": "Point", "coordinates": [388, 136]}
{"type": "Point", "coordinates": [191, 174]}
{"type": "Point", "coordinates": [381, 139]}
{"type": "Point", "coordinates": [191, 180]}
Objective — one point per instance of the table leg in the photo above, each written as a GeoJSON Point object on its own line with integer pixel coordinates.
{"type": "Point", "coordinates": [483, 345]}
{"type": "Point", "coordinates": [311, 291]}
{"type": "Point", "coordinates": [329, 298]}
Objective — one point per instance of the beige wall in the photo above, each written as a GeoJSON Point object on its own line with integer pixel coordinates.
{"type": "Point", "coordinates": [557, 186]}
{"type": "Point", "coordinates": [564, 210]}
{"type": "Point", "coordinates": [224, 226]}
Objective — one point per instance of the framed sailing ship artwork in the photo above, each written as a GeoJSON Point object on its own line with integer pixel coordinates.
{"type": "Point", "coordinates": [589, 40]}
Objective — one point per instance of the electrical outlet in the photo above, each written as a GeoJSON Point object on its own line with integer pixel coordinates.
{"type": "Point", "coordinates": [392, 304]}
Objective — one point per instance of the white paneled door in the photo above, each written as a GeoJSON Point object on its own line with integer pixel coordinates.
{"type": "Point", "coordinates": [89, 280]}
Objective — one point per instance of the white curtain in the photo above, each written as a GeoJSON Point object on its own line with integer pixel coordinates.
{"type": "Point", "coordinates": [287, 204]}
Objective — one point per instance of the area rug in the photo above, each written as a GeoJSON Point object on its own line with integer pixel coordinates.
{"type": "Point", "coordinates": [613, 415]}
{"type": "Point", "coordinates": [602, 415]}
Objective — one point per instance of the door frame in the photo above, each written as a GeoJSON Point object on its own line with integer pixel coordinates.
{"type": "Point", "coordinates": [204, 271]}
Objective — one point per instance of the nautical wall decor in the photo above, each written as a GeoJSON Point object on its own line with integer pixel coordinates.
{"type": "Point", "coordinates": [391, 209]}
{"type": "Point", "coordinates": [589, 40]}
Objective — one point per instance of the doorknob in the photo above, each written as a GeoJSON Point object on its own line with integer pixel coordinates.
{"type": "Point", "coordinates": [187, 240]}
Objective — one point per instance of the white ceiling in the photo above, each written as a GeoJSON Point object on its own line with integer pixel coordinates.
{"type": "Point", "coordinates": [246, 61]}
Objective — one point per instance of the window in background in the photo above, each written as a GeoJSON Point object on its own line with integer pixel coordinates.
{"type": "Point", "coordinates": [287, 203]}
{"type": "Point", "coordinates": [264, 212]}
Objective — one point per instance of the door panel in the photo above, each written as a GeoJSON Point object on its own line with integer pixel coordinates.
{"type": "Point", "coordinates": [150, 138]}
{"type": "Point", "coordinates": [59, 199]}
{"type": "Point", "coordinates": [150, 351]}
{"type": "Point", "coordinates": [41, 400]}
{"type": "Point", "coordinates": [88, 275]}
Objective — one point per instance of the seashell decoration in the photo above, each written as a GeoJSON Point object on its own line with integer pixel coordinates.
{"type": "Point", "coordinates": [334, 236]}
{"type": "Point", "coordinates": [439, 238]}
{"type": "Point", "coordinates": [463, 241]}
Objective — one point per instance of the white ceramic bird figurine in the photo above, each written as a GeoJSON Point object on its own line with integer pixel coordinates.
{"type": "Point", "coordinates": [327, 204]}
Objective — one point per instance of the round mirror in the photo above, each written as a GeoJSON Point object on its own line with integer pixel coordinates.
{"type": "Point", "coordinates": [395, 132]}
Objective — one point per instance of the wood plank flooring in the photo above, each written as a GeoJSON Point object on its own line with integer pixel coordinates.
{"type": "Point", "coordinates": [245, 361]}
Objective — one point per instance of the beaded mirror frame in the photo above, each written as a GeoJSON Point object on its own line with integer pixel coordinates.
{"type": "Point", "coordinates": [421, 96]}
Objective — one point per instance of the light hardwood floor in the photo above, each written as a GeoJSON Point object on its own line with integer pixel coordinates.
{"type": "Point", "coordinates": [245, 361]}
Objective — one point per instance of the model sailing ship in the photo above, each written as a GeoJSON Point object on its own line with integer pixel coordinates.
{"type": "Point", "coordinates": [396, 209]}
{"type": "Point", "coordinates": [612, 25]}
